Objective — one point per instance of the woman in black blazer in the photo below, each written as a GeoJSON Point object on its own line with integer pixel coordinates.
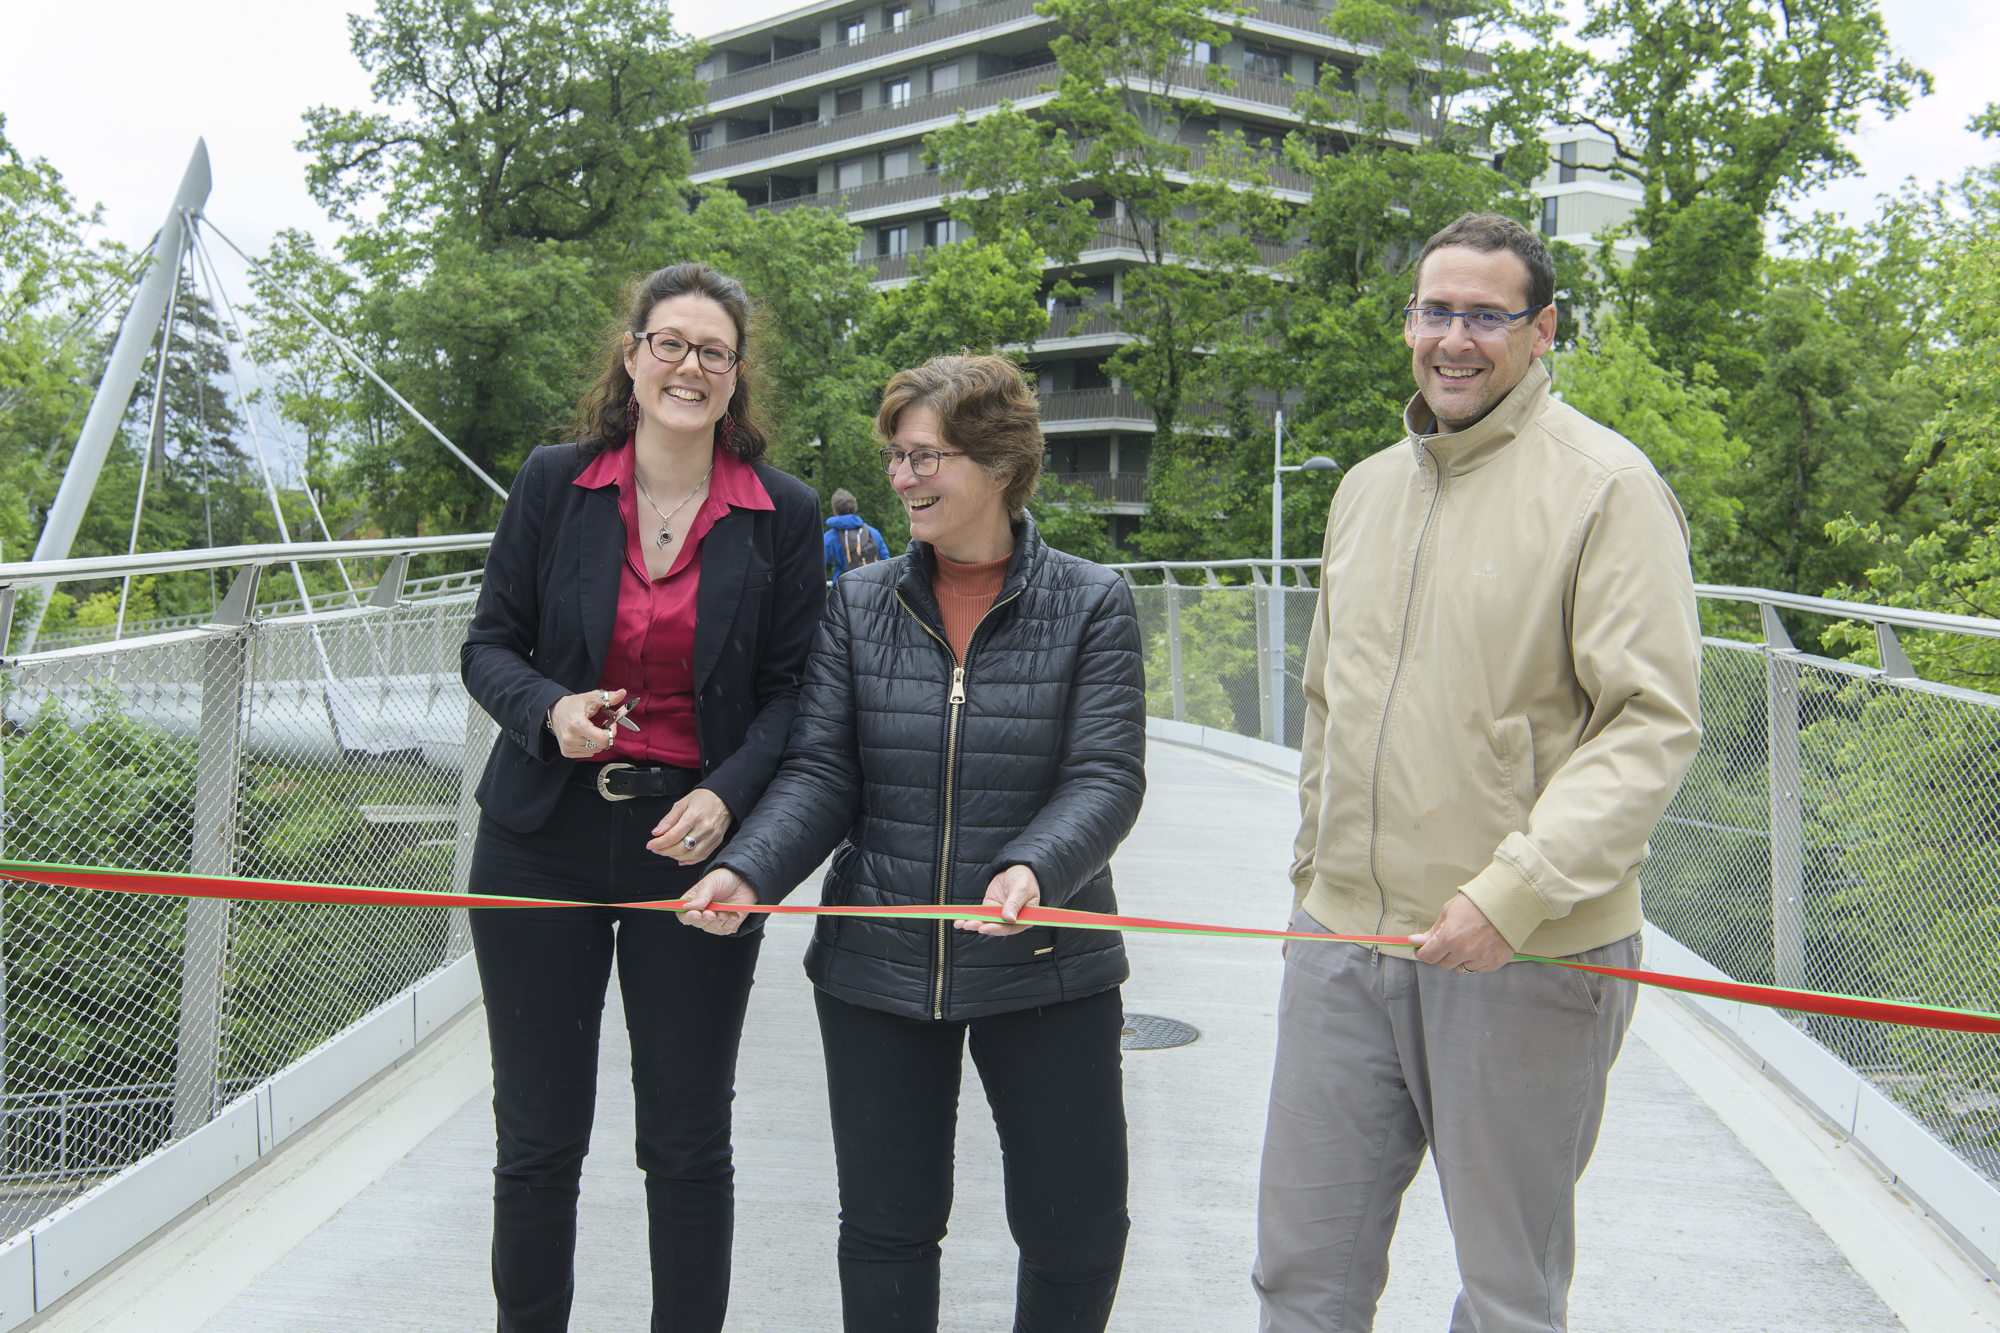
{"type": "Point", "coordinates": [640, 635]}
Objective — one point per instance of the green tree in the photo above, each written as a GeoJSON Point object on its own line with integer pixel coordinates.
{"type": "Point", "coordinates": [1954, 566]}
{"type": "Point", "coordinates": [1121, 149]}
{"type": "Point", "coordinates": [1721, 110]}
{"type": "Point", "coordinates": [1617, 380]}
{"type": "Point", "coordinates": [56, 287]}
{"type": "Point", "coordinates": [528, 167]}
{"type": "Point", "coordinates": [1845, 325]}
{"type": "Point", "coordinates": [977, 296]}
{"type": "Point", "coordinates": [817, 376]}
{"type": "Point", "coordinates": [1438, 120]}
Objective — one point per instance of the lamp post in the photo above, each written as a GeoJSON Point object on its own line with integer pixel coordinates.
{"type": "Point", "coordinates": [1276, 637]}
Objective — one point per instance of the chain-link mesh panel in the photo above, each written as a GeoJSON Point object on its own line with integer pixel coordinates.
{"type": "Point", "coordinates": [1901, 887]}
{"type": "Point", "coordinates": [1879, 877]}
{"type": "Point", "coordinates": [327, 753]}
{"type": "Point", "coordinates": [1708, 883]}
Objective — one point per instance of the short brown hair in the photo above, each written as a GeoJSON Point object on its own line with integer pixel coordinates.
{"type": "Point", "coordinates": [600, 420]}
{"type": "Point", "coordinates": [844, 503]}
{"type": "Point", "coordinates": [984, 408]}
{"type": "Point", "coordinates": [1487, 232]}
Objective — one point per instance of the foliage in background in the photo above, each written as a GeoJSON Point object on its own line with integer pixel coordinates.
{"type": "Point", "coordinates": [1721, 111]}
{"type": "Point", "coordinates": [1121, 147]}
{"type": "Point", "coordinates": [1616, 379]}
{"type": "Point", "coordinates": [493, 217]}
{"type": "Point", "coordinates": [1954, 566]}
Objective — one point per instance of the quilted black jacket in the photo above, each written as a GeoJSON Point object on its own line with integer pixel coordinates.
{"type": "Point", "coordinates": [931, 780]}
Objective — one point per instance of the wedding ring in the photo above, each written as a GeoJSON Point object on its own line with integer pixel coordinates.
{"type": "Point", "coordinates": [1465, 968]}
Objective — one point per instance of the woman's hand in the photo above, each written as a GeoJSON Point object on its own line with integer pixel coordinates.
{"type": "Point", "coordinates": [1011, 890]}
{"type": "Point", "coordinates": [693, 829]}
{"type": "Point", "coordinates": [572, 720]}
{"type": "Point", "coordinates": [721, 885]}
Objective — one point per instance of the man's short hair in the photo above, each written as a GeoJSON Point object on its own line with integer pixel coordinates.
{"type": "Point", "coordinates": [1487, 232]}
{"type": "Point", "coordinates": [843, 502]}
{"type": "Point", "coordinates": [985, 410]}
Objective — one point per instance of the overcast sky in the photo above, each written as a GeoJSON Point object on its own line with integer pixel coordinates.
{"type": "Point", "coordinates": [116, 101]}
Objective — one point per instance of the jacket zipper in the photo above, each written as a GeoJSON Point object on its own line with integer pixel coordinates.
{"type": "Point", "coordinates": [954, 701]}
{"type": "Point", "coordinates": [1389, 704]}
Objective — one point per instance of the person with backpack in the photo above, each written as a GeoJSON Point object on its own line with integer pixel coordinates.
{"type": "Point", "coordinates": [851, 543]}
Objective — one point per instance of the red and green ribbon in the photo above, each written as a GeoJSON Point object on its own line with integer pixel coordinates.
{"type": "Point", "coordinates": [1906, 1014]}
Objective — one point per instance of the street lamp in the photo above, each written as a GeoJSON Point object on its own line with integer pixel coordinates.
{"type": "Point", "coordinates": [1317, 463]}
{"type": "Point", "coordinates": [1275, 638]}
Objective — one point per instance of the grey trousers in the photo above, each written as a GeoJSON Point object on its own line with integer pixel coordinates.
{"type": "Point", "coordinates": [1502, 1075]}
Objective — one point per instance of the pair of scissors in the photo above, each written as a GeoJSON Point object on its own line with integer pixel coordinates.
{"type": "Point", "coordinates": [618, 718]}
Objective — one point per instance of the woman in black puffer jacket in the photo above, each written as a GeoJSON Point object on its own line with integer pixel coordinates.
{"type": "Point", "coordinates": [971, 730]}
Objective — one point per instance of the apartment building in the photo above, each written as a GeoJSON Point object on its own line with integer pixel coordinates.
{"type": "Point", "coordinates": [827, 106]}
{"type": "Point", "coordinates": [1581, 193]}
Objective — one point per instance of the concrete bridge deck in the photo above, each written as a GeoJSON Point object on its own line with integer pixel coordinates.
{"type": "Point", "coordinates": [1714, 1202]}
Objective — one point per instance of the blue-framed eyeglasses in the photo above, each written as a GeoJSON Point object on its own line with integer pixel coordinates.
{"type": "Point", "coordinates": [1435, 322]}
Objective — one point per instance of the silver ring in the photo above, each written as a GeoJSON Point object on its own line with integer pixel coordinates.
{"type": "Point", "coordinates": [590, 745]}
{"type": "Point", "coordinates": [688, 842]}
{"type": "Point", "coordinates": [1466, 968]}
{"type": "Point", "coordinates": [603, 697]}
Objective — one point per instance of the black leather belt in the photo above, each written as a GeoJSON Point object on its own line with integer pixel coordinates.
{"type": "Point", "coordinates": [623, 782]}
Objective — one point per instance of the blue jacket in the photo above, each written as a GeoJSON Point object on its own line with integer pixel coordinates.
{"type": "Point", "coordinates": [836, 552]}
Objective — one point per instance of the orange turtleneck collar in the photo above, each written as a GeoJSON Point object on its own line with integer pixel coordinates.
{"type": "Point", "coordinates": [964, 594]}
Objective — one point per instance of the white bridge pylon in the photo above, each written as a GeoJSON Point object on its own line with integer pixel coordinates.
{"type": "Point", "coordinates": [151, 310]}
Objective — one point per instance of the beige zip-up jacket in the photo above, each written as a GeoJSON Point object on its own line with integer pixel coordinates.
{"type": "Point", "coordinates": [1503, 680]}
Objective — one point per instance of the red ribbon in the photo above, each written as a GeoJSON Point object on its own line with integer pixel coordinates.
{"type": "Point", "coordinates": [1932, 1016]}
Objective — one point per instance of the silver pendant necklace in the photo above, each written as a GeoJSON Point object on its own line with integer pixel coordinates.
{"type": "Point", "coordinates": [667, 515]}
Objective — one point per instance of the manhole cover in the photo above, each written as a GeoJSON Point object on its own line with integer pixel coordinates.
{"type": "Point", "coordinates": [1150, 1032]}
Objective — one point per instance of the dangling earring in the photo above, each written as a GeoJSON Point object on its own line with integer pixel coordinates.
{"type": "Point", "coordinates": [726, 429]}
{"type": "Point", "coordinates": [631, 412]}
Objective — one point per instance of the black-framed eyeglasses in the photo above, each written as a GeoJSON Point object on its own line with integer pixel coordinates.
{"type": "Point", "coordinates": [1435, 322]}
{"type": "Point", "coordinates": [923, 462]}
{"type": "Point", "coordinates": [715, 358]}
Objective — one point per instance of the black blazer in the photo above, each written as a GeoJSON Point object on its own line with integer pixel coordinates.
{"type": "Point", "coordinates": [547, 608]}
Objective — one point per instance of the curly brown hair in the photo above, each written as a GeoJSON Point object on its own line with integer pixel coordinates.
{"type": "Point", "coordinates": [983, 407]}
{"type": "Point", "coordinates": [601, 414]}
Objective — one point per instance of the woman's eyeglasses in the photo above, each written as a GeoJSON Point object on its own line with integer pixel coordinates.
{"type": "Point", "coordinates": [713, 357]}
{"type": "Point", "coordinates": [923, 462]}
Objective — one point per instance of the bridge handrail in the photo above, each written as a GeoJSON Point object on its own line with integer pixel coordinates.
{"type": "Point", "coordinates": [20, 573]}
{"type": "Point", "coordinates": [1870, 612]}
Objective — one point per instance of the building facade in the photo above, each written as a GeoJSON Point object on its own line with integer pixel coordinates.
{"type": "Point", "coordinates": [828, 105]}
{"type": "Point", "coordinates": [1582, 194]}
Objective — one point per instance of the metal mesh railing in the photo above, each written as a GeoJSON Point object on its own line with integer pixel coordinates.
{"type": "Point", "coordinates": [1838, 831]}
{"type": "Point", "coordinates": [333, 748]}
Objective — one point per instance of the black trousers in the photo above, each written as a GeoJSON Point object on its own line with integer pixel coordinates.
{"type": "Point", "coordinates": [544, 971]}
{"type": "Point", "coordinates": [1052, 1076]}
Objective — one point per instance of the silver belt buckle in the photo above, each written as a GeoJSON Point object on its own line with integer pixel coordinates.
{"type": "Point", "coordinates": [604, 788]}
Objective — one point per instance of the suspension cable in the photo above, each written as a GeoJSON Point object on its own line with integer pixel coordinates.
{"type": "Point", "coordinates": [360, 364]}
{"type": "Point", "coordinates": [156, 428]}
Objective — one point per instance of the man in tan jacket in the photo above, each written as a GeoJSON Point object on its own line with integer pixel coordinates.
{"type": "Point", "coordinates": [1502, 693]}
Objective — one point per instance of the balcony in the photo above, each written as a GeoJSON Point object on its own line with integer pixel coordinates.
{"type": "Point", "coordinates": [1018, 86]}
{"type": "Point", "coordinates": [942, 27]}
{"type": "Point", "coordinates": [919, 187]}
{"type": "Point", "coordinates": [1095, 409]}
{"type": "Point", "coordinates": [1093, 322]}
{"type": "Point", "coordinates": [842, 55]}
{"type": "Point", "coordinates": [1125, 488]}
{"type": "Point", "coordinates": [1272, 95]}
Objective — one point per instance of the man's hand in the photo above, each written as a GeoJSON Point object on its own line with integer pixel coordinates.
{"type": "Point", "coordinates": [1011, 890]}
{"type": "Point", "coordinates": [1464, 939]}
{"type": "Point", "coordinates": [721, 885]}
